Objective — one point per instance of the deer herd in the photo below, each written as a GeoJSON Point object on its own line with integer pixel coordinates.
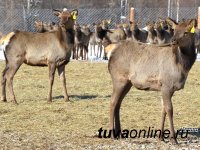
{"type": "Point", "coordinates": [157, 57]}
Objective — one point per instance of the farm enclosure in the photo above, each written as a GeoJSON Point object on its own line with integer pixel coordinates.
{"type": "Point", "coordinates": [35, 124]}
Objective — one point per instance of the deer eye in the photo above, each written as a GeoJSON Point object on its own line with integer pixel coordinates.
{"type": "Point", "coordinates": [185, 33]}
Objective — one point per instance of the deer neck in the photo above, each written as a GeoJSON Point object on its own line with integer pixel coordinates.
{"type": "Point", "coordinates": [101, 34]}
{"type": "Point", "coordinates": [187, 55]}
{"type": "Point", "coordinates": [70, 36]}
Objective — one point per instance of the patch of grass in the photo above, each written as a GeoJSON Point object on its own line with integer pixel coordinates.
{"type": "Point", "coordinates": [36, 124]}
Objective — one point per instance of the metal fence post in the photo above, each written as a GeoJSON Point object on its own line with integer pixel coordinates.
{"type": "Point", "coordinates": [198, 18]}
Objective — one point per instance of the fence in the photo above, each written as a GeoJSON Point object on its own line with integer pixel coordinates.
{"type": "Point", "coordinates": [23, 19]}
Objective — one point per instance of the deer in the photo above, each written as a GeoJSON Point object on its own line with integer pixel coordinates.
{"type": "Point", "coordinates": [107, 36]}
{"type": "Point", "coordinates": [44, 27]}
{"type": "Point", "coordinates": [98, 35]}
{"type": "Point", "coordinates": [163, 36]}
{"type": "Point", "coordinates": [92, 43]}
{"type": "Point", "coordinates": [52, 49]}
{"type": "Point", "coordinates": [197, 40]}
{"type": "Point", "coordinates": [152, 35]}
{"type": "Point", "coordinates": [86, 33]}
{"type": "Point", "coordinates": [140, 35]}
{"type": "Point", "coordinates": [77, 41]}
{"type": "Point", "coordinates": [82, 37]}
{"type": "Point", "coordinates": [127, 31]}
{"type": "Point", "coordinates": [151, 68]}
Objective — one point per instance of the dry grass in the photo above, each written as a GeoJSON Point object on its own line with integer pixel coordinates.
{"type": "Point", "coordinates": [36, 124]}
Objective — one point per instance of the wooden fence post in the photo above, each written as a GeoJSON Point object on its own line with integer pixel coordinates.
{"type": "Point", "coordinates": [132, 14]}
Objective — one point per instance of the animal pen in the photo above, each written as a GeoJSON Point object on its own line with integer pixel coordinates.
{"type": "Point", "coordinates": [36, 124]}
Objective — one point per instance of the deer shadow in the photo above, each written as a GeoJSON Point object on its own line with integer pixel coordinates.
{"type": "Point", "coordinates": [77, 97]}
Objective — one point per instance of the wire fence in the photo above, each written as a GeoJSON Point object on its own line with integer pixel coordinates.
{"type": "Point", "coordinates": [23, 19]}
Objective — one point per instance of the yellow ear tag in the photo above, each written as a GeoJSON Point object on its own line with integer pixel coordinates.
{"type": "Point", "coordinates": [192, 30]}
{"type": "Point", "coordinates": [74, 16]}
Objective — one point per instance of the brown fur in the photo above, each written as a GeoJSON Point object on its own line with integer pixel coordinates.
{"type": "Point", "coordinates": [149, 67]}
{"type": "Point", "coordinates": [52, 49]}
{"type": "Point", "coordinates": [44, 27]}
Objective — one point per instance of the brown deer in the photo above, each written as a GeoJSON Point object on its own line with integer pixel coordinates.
{"type": "Point", "coordinates": [44, 27]}
{"type": "Point", "coordinates": [150, 67]}
{"type": "Point", "coordinates": [86, 33]}
{"type": "Point", "coordinates": [99, 34]}
{"type": "Point", "coordinates": [92, 43]}
{"type": "Point", "coordinates": [52, 49]}
{"type": "Point", "coordinates": [77, 41]}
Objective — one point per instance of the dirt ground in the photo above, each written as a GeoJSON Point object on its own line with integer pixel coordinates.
{"type": "Point", "coordinates": [36, 124]}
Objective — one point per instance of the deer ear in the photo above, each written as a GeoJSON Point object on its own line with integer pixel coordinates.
{"type": "Point", "coordinates": [160, 19]}
{"type": "Point", "coordinates": [171, 22]}
{"type": "Point", "coordinates": [88, 25]}
{"type": "Point", "coordinates": [74, 14]}
{"type": "Point", "coordinates": [191, 26]}
{"type": "Point", "coordinates": [109, 21]}
{"type": "Point", "coordinates": [56, 12]}
{"type": "Point", "coordinates": [36, 22]}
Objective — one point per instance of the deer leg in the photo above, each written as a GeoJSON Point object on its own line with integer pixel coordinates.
{"type": "Point", "coordinates": [86, 52]}
{"type": "Point", "coordinates": [12, 69]}
{"type": "Point", "coordinates": [168, 107]}
{"type": "Point", "coordinates": [91, 49]}
{"type": "Point", "coordinates": [94, 50]}
{"type": "Point", "coordinates": [61, 73]}
{"type": "Point", "coordinates": [162, 122]}
{"type": "Point", "coordinates": [74, 52]}
{"type": "Point", "coordinates": [120, 89]}
{"type": "Point", "coordinates": [100, 48]}
{"type": "Point", "coordinates": [3, 85]}
{"type": "Point", "coordinates": [77, 51]}
{"type": "Point", "coordinates": [52, 69]}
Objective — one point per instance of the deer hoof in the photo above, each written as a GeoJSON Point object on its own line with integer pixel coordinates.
{"type": "Point", "coordinates": [49, 100]}
{"type": "Point", "coordinates": [174, 141]}
{"type": "Point", "coordinates": [3, 99]}
{"type": "Point", "coordinates": [15, 103]}
{"type": "Point", "coordinates": [67, 100]}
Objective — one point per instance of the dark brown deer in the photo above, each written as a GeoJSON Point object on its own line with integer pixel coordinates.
{"type": "Point", "coordinates": [52, 49]}
{"type": "Point", "coordinates": [108, 36]}
{"type": "Point", "coordinates": [138, 34]}
{"type": "Point", "coordinates": [152, 35]}
{"type": "Point", "coordinates": [149, 67]}
{"type": "Point", "coordinates": [162, 35]}
{"type": "Point", "coordinates": [127, 31]}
